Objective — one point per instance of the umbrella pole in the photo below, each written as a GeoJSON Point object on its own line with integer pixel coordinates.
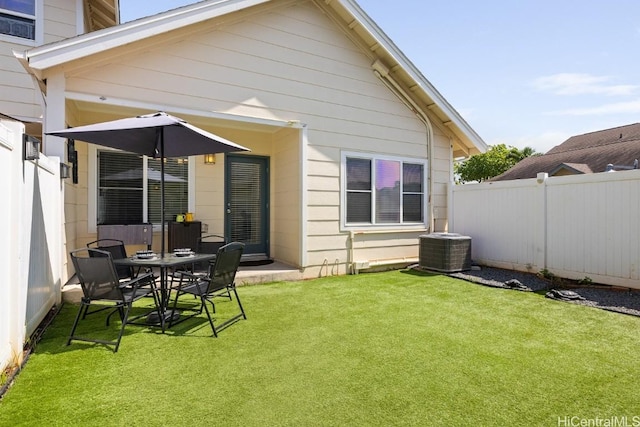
{"type": "Point", "coordinates": [161, 140]}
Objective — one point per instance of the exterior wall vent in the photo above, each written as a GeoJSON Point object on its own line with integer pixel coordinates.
{"type": "Point", "coordinates": [445, 252]}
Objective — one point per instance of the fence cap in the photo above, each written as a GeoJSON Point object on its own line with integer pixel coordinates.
{"type": "Point", "coordinates": [542, 177]}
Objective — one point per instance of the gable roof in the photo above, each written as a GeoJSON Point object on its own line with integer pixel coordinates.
{"type": "Point", "coordinates": [587, 153]}
{"type": "Point", "coordinates": [357, 25]}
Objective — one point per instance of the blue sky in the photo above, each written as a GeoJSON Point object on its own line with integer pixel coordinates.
{"type": "Point", "coordinates": [524, 72]}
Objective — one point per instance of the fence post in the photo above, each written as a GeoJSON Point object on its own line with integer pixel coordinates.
{"type": "Point", "coordinates": [542, 222]}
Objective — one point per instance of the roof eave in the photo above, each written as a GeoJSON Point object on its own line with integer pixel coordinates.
{"type": "Point", "coordinates": [57, 53]}
{"type": "Point", "coordinates": [473, 142]}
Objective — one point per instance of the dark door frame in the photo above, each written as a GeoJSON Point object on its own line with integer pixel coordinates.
{"type": "Point", "coordinates": [264, 161]}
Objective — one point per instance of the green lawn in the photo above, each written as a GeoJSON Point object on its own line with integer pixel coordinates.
{"type": "Point", "coordinates": [394, 348]}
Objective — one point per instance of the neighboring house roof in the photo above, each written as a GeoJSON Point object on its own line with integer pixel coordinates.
{"type": "Point", "coordinates": [588, 153]}
{"type": "Point", "coordinates": [359, 27]}
{"type": "Point", "coordinates": [571, 168]}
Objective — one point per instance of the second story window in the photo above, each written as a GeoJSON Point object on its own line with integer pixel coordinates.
{"type": "Point", "coordinates": [18, 18]}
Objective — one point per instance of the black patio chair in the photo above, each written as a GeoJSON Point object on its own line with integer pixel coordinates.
{"type": "Point", "coordinates": [220, 281]}
{"type": "Point", "coordinates": [207, 244]}
{"type": "Point", "coordinates": [117, 250]}
{"type": "Point", "coordinates": [101, 286]}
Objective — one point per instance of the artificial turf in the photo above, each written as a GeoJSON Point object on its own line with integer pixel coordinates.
{"type": "Point", "coordinates": [393, 348]}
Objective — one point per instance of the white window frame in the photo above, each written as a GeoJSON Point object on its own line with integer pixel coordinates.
{"type": "Point", "coordinates": [39, 24]}
{"type": "Point", "coordinates": [382, 226]}
{"type": "Point", "coordinates": [92, 190]}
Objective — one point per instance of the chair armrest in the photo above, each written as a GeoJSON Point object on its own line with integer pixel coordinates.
{"type": "Point", "coordinates": [137, 280]}
{"type": "Point", "coordinates": [190, 275]}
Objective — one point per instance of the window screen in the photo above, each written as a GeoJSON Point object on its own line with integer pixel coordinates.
{"type": "Point", "coordinates": [359, 190]}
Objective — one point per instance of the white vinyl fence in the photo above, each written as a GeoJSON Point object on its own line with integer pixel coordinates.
{"type": "Point", "coordinates": [574, 226]}
{"type": "Point", "coordinates": [31, 232]}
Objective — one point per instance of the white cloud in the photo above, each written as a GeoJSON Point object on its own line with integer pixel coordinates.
{"type": "Point", "coordinates": [629, 107]}
{"type": "Point", "coordinates": [581, 84]}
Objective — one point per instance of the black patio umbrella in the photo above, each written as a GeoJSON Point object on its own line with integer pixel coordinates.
{"type": "Point", "coordinates": [158, 135]}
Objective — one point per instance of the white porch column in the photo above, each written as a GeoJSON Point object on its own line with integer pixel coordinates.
{"type": "Point", "coordinates": [54, 116]}
{"type": "Point", "coordinates": [54, 119]}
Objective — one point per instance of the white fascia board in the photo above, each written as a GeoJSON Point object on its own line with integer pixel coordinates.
{"type": "Point", "coordinates": [376, 32]}
{"type": "Point", "coordinates": [61, 52]}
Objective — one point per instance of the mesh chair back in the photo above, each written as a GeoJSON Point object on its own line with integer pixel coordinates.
{"type": "Point", "coordinates": [223, 271]}
{"type": "Point", "coordinates": [209, 244]}
{"type": "Point", "coordinates": [117, 250]}
{"type": "Point", "coordinates": [97, 275]}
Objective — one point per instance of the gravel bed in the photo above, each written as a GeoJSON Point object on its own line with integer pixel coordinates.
{"type": "Point", "coordinates": [618, 300]}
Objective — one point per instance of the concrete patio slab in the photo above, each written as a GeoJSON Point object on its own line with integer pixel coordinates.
{"type": "Point", "coordinates": [250, 275]}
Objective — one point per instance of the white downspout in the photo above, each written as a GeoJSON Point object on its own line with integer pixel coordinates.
{"type": "Point", "coordinates": [304, 142]}
{"type": "Point", "coordinates": [382, 72]}
{"type": "Point", "coordinates": [351, 260]}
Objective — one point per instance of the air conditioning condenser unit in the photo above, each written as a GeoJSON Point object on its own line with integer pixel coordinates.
{"type": "Point", "coordinates": [445, 252]}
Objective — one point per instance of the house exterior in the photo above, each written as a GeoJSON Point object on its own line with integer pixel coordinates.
{"type": "Point", "coordinates": [31, 23]}
{"type": "Point", "coordinates": [32, 261]}
{"type": "Point", "coordinates": [351, 147]}
{"type": "Point", "coordinates": [601, 151]}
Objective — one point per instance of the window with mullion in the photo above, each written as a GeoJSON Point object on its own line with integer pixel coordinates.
{"type": "Point", "coordinates": [17, 18]}
{"type": "Point", "coordinates": [176, 200]}
{"type": "Point", "coordinates": [383, 190]}
{"type": "Point", "coordinates": [128, 182]}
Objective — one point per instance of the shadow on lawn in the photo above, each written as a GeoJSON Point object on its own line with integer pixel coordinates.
{"type": "Point", "coordinates": [94, 327]}
{"type": "Point", "coordinates": [420, 273]}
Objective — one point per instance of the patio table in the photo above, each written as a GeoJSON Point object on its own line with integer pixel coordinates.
{"type": "Point", "coordinates": [168, 261]}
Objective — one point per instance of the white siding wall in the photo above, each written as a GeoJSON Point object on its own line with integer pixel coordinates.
{"type": "Point", "coordinates": [285, 196]}
{"type": "Point", "coordinates": [575, 226]}
{"type": "Point", "coordinates": [59, 20]}
{"type": "Point", "coordinates": [19, 95]}
{"type": "Point", "coordinates": [442, 164]}
{"type": "Point", "coordinates": [290, 64]}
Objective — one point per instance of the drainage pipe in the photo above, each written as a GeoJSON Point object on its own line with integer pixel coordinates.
{"type": "Point", "coordinates": [382, 72]}
{"type": "Point", "coordinates": [376, 263]}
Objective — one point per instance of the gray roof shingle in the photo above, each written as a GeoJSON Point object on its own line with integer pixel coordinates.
{"type": "Point", "coordinates": [588, 153]}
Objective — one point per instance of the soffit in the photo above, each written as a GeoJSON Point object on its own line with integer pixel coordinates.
{"type": "Point", "coordinates": [93, 112]}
